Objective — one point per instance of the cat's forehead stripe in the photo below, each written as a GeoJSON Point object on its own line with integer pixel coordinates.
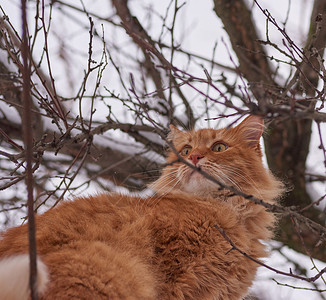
{"type": "Point", "coordinates": [200, 137]}
{"type": "Point", "coordinates": [206, 136]}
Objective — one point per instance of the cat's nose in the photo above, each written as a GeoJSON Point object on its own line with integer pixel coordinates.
{"type": "Point", "coordinates": [195, 158]}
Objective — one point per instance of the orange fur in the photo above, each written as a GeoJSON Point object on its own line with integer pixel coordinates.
{"type": "Point", "coordinates": [165, 246]}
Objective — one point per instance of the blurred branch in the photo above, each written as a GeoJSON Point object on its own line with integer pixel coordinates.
{"type": "Point", "coordinates": [28, 143]}
{"type": "Point", "coordinates": [253, 63]}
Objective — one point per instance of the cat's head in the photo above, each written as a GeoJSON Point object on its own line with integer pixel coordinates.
{"type": "Point", "coordinates": [231, 155]}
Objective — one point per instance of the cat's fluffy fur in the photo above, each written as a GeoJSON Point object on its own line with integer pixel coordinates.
{"type": "Point", "coordinates": [162, 247]}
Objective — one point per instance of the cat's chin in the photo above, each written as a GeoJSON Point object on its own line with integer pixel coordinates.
{"type": "Point", "coordinates": [199, 185]}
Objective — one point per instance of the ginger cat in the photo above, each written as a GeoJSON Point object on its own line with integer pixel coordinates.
{"type": "Point", "coordinates": [113, 246]}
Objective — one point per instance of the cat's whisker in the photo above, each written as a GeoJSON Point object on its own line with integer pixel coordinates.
{"type": "Point", "coordinates": [162, 195]}
{"type": "Point", "coordinates": [214, 170]}
{"type": "Point", "coordinates": [231, 178]}
{"type": "Point", "coordinates": [167, 180]}
{"type": "Point", "coordinates": [182, 171]}
{"type": "Point", "coordinates": [223, 177]}
{"type": "Point", "coordinates": [238, 172]}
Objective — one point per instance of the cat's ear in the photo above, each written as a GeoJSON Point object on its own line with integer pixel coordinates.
{"type": "Point", "coordinates": [173, 132]}
{"type": "Point", "coordinates": [252, 129]}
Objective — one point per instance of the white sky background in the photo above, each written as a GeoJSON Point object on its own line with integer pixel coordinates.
{"type": "Point", "coordinates": [198, 29]}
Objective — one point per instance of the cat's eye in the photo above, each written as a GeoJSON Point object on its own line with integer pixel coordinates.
{"type": "Point", "coordinates": [186, 150]}
{"type": "Point", "coordinates": [219, 147]}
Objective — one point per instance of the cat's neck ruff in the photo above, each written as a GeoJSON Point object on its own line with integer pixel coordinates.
{"type": "Point", "coordinates": [217, 194]}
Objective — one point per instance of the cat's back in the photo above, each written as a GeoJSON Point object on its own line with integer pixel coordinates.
{"type": "Point", "coordinates": [119, 219]}
{"type": "Point", "coordinates": [87, 218]}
